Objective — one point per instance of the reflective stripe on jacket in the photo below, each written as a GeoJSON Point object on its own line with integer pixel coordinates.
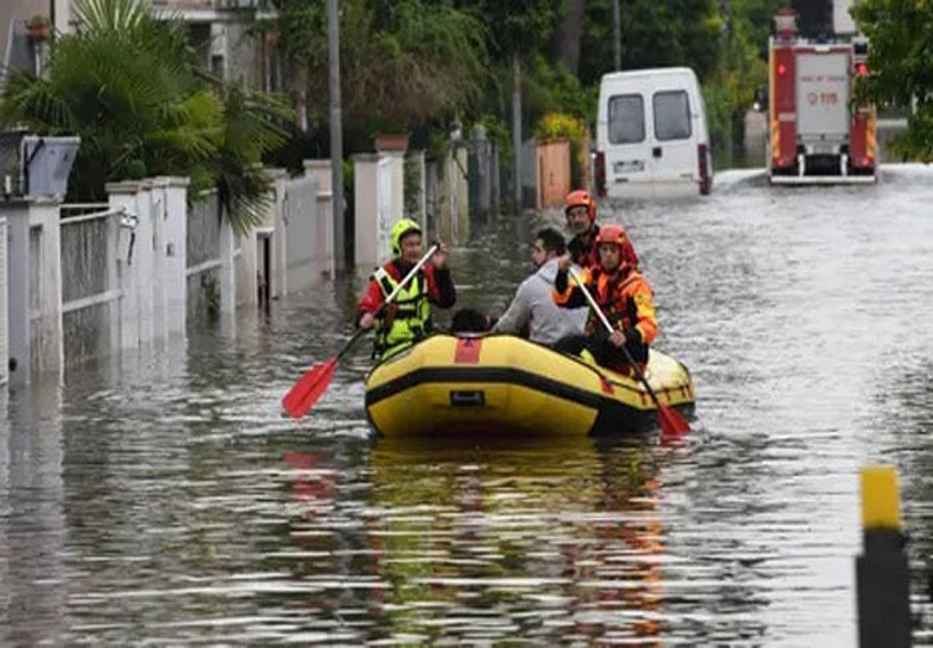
{"type": "Point", "coordinates": [624, 296]}
{"type": "Point", "coordinates": [407, 319]}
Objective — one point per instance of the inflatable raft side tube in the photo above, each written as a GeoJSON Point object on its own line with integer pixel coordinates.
{"type": "Point", "coordinates": [507, 375]}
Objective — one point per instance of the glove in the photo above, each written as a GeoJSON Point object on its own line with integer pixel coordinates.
{"type": "Point", "coordinates": [366, 320]}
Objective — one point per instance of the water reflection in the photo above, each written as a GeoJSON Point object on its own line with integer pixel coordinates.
{"type": "Point", "coordinates": [161, 498]}
{"type": "Point", "coordinates": [33, 584]}
{"type": "Point", "coordinates": [475, 544]}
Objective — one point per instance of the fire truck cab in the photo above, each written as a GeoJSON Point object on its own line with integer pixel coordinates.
{"type": "Point", "coordinates": [818, 133]}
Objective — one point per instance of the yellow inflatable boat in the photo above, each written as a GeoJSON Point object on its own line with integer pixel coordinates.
{"type": "Point", "coordinates": [501, 384]}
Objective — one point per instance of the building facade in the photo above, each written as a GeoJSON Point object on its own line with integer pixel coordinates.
{"type": "Point", "coordinates": [220, 30]}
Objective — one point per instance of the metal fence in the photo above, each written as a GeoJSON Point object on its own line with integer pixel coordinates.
{"type": "Point", "coordinates": [90, 288]}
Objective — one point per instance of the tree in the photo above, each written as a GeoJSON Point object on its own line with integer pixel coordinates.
{"type": "Point", "coordinates": [129, 86]}
{"type": "Point", "coordinates": [518, 29]}
{"type": "Point", "coordinates": [655, 33]}
{"type": "Point", "coordinates": [570, 35]}
{"type": "Point", "coordinates": [402, 63]}
{"type": "Point", "coordinates": [901, 47]}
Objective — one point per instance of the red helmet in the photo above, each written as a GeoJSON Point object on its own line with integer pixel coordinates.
{"type": "Point", "coordinates": [581, 198]}
{"type": "Point", "coordinates": [611, 233]}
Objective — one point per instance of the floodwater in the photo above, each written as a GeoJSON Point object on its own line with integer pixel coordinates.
{"type": "Point", "coordinates": [161, 499]}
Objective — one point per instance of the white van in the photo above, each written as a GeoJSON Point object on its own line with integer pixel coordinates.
{"type": "Point", "coordinates": [651, 135]}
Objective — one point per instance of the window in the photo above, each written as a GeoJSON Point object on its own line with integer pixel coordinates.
{"type": "Point", "coordinates": [671, 115]}
{"type": "Point", "coordinates": [626, 119]}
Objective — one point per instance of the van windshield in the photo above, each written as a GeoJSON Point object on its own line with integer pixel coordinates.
{"type": "Point", "coordinates": [626, 119]}
{"type": "Point", "coordinates": [671, 115]}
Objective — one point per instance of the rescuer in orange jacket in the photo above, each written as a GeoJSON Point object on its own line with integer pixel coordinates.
{"type": "Point", "coordinates": [580, 211]}
{"type": "Point", "coordinates": [623, 295]}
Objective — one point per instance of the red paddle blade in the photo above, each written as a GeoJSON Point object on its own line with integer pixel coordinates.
{"type": "Point", "coordinates": [672, 423]}
{"type": "Point", "coordinates": [309, 389]}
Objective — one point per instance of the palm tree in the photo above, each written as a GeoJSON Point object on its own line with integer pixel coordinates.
{"type": "Point", "coordinates": [130, 87]}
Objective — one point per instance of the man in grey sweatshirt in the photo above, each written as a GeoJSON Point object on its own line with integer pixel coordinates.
{"type": "Point", "coordinates": [533, 308]}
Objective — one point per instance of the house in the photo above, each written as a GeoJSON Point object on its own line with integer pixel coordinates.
{"type": "Point", "coordinates": [14, 16]}
{"type": "Point", "coordinates": [220, 29]}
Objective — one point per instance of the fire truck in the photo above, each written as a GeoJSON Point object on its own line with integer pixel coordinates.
{"type": "Point", "coordinates": [819, 133]}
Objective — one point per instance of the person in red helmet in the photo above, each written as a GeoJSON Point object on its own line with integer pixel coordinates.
{"type": "Point", "coordinates": [624, 296]}
{"type": "Point", "coordinates": [580, 211]}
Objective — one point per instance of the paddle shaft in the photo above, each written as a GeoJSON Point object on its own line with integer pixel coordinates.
{"type": "Point", "coordinates": [388, 300]}
{"type": "Point", "coordinates": [305, 393]}
{"type": "Point", "coordinates": [602, 318]}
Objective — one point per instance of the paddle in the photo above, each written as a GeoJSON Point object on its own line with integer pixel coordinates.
{"type": "Point", "coordinates": [672, 423]}
{"type": "Point", "coordinates": [306, 392]}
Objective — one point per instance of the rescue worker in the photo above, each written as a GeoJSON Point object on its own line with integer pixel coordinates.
{"type": "Point", "coordinates": [580, 211]}
{"type": "Point", "coordinates": [533, 309]}
{"type": "Point", "coordinates": [624, 296]}
{"type": "Point", "coordinates": [408, 318]}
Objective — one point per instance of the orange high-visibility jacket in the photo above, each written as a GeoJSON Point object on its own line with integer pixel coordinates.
{"type": "Point", "coordinates": [624, 296]}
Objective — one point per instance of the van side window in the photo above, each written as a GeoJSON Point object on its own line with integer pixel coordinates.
{"type": "Point", "coordinates": [626, 119]}
{"type": "Point", "coordinates": [671, 115]}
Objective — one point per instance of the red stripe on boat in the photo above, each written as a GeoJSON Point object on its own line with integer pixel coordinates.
{"type": "Point", "coordinates": [606, 385]}
{"type": "Point", "coordinates": [467, 350]}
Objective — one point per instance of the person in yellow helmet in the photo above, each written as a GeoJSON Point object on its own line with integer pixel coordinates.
{"type": "Point", "coordinates": [408, 318]}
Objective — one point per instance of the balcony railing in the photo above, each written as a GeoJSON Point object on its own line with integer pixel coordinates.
{"type": "Point", "coordinates": [258, 5]}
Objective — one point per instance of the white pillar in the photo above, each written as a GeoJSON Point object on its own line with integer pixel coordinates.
{"type": "Point", "coordinates": [18, 337]}
{"type": "Point", "coordinates": [320, 170]}
{"type": "Point", "coordinates": [453, 182]}
{"type": "Point", "coordinates": [324, 252]}
{"type": "Point", "coordinates": [35, 311]}
{"type": "Point", "coordinates": [175, 252]}
{"type": "Point", "coordinates": [396, 169]}
{"type": "Point", "coordinates": [247, 283]}
{"type": "Point", "coordinates": [122, 196]}
{"type": "Point", "coordinates": [159, 297]}
{"type": "Point", "coordinates": [142, 261]}
{"type": "Point", "coordinates": [325, 260]}
{"type": "Point", "coordinates": [62, 16]}
{"type": "Point", "coordinates": [463, 195]}
{"type": "Point", "coordinates": [45, 218]}
{"type": "Point", "coordinates": [366, 210]}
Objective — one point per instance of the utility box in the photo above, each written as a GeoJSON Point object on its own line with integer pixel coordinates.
{"type": "Point", "coordinates": [36, 165]}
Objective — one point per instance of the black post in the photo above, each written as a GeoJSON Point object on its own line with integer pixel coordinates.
{"type": "Point", "coordinates": [882, 574]}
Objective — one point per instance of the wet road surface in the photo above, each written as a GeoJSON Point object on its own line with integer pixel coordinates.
{"type": "Point", "coordinates": [163, 499]}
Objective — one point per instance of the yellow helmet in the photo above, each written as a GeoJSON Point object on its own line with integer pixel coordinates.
{"type": "Point", "coordinates": [399, 231]}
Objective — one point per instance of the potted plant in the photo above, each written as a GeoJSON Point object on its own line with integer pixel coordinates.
{"type": "Point", "coordinates": [391, 142]}
{"type": "Point", "coordinates": [39, 28]}
{"type": "Point", "coordinates": [388, 134]}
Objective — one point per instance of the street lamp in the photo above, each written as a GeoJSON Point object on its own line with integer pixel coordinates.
{"type": "Point", "coordinates": [336, 137]}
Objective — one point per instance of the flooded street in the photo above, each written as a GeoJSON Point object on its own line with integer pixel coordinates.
{"type": "Point", "coordinates": [164, 499]}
